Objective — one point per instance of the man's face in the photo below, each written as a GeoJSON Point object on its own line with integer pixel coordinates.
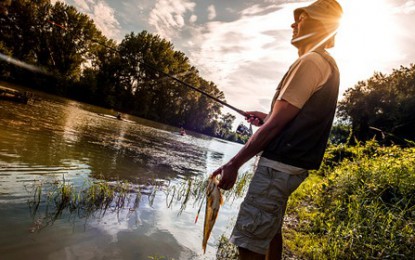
{"type": "Point", "coordinates": [305, 30]}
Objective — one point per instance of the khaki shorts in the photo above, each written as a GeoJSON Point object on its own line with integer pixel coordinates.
{"type": "Point", "coordinates": [261, 214]}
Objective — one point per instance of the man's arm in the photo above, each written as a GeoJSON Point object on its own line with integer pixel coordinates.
{"type": "Point", "coordinates": [282, 113]}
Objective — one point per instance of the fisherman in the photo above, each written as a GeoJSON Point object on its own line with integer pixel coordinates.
{"type": "Point", "coordinates": [118, 116]}
{"type": "Point", "coordinates": [292, 136]}
{"type": "Point", "coordinates": [182, 131]}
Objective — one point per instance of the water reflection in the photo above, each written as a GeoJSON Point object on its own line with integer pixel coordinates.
{"type": "Point", "coordinates": [55, 137]}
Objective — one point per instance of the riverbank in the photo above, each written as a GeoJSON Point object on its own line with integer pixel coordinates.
{"type": "Point", "coordinates": [10, 94]}
{"type": "Point", "coordinates": [359, 205]}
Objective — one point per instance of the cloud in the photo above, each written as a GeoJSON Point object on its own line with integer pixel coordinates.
{"type": "Point", "coordinates": [104, 17]}
{"type": "Point", "coordinates": [193, 18]}
{"type": "Point", "coordinates": [408, 7]}
{"type": "Point", "coordinates": [211, 12]}
{"type": "Point", "coordinates": [252, 51]}
{"type": "Point", "coordinates": [257, 10]}
{"type": "Point", "coordinates": [167, 16]}
{"type": "Point", "coordinates": [82, 5]}
{"type": "Point", "coordinates": [102, 14]}
{"type": "Point", "coordinates": [55, 1]}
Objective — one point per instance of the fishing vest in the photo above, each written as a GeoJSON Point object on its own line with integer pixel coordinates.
{"type": "Point", "coordinates": [303, 141]}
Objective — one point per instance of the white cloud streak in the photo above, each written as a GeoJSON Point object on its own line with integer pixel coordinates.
{"type": "Point", "coordinates": [82, 5]}
{"type": "Point", "coordinates": [55, 1]}
{"type": "Point", "coordinates": [167, 17]}
{"type": "Point", "coordinates": [102, 14]}
{"type": "Point", "coordinates": [193, 18]}
{"type": "Point", "coordinates": [104, 17]}
{"type": "Point", "coordinates": [211, 12]}
{"type": "Point", "coordinates": [407, 8]}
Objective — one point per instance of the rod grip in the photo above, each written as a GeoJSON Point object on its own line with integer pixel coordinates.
{"type": "Point", "coordinates": [261, 122]}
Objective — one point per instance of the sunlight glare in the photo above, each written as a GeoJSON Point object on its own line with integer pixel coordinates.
{"type": "Point", "coordinates": [367, 37]}
{"type": "Point", "coordinates": [367, 29]}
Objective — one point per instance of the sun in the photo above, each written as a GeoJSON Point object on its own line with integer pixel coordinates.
{"type": "Point", "coordinates": [367, 37]}
{"type": "Point", "coordinates": [367, 29]}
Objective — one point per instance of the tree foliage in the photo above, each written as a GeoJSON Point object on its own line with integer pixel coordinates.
{"type": "Point", "coordinates": [56, 37]}
{"type": "Point", "coordinates": [382, 106]}
{"type": "Point", "coordinates": [85, 65]}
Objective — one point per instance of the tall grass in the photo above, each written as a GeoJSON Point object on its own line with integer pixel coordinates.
{"type": "Point", "coordinates": [360, 205]}
{"type": "Point", "coordinates": [53, 200]}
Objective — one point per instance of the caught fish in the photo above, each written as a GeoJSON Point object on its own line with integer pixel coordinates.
{"type": "Point", "coordinates": [213, 202]}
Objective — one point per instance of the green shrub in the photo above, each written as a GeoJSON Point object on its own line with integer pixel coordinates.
{"type": "Point", "coordinates": [361, 205]}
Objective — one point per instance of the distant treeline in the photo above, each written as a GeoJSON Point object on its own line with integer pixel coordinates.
{"type": "Point", "coordinates": [85, 65]}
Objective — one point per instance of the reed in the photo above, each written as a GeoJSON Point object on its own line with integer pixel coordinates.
{"type": "Point", "coordinates": [96, 197]}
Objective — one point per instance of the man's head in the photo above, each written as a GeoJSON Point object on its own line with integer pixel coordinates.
{"type": "Point", "coordinates": [325, 15]}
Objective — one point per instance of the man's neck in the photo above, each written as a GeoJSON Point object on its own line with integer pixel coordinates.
{"type": "Point", "coordinates": [304, 49]}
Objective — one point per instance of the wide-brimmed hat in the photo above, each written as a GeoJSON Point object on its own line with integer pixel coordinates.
{"type": "Point", "coordinates": [328, 12]}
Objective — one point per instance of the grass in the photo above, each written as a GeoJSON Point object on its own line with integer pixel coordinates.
{"type": "Point", "coordinates": [53, 200]}
{"type": "Point", "coordinates": [50, 201]}
{"type": "Point", "coordinates": [359, 205]}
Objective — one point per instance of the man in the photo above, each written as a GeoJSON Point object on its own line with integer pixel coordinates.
{"type": "Point", "coordinates": [293, 136]}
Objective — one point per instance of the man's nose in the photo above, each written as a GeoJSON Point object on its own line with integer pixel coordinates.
{"type": "Point", "coordinates": [294, 25]}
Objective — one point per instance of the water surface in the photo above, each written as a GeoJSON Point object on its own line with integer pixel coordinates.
{"type": "Point", "coordinates": [53, 138]}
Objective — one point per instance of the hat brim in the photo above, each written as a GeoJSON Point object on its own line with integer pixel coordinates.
{"type": "Point", "coordinates": [297, 13]}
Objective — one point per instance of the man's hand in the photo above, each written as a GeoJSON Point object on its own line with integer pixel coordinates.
{"type": "Point", "coordinates": [255, 117]}
{"type": "Point", "coordinates": [229, 173]}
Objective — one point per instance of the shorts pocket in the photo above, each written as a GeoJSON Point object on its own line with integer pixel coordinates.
{"type": "Point", "coordinates": [256, 222]}
{"type": "Point", "coordinates": [294, 181]}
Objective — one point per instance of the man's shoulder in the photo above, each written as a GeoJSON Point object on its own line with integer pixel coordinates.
{"type": "Point", "coordinates": [316, 59]}
{"type": "Point", "coordinates": [313, 56]}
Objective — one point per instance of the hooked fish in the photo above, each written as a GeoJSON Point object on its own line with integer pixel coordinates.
{"type": "Point", "coordinates": [213, 202]}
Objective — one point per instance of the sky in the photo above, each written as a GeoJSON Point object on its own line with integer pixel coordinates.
{"type": "Point", "coordinates": [243, 46]}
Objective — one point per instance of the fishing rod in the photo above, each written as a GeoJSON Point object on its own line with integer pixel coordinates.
{"type": "Point", "coordinates": [239, 111]}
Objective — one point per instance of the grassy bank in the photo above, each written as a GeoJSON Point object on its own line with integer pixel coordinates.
{"type": "Point", "coordinates": [359, 205]}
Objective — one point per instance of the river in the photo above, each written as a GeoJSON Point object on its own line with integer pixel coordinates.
{"type": "Point", "coordinates": [53, 140]}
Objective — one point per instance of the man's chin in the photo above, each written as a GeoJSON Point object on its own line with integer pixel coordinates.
{"type": "Point", "coordinates": [295, 41]}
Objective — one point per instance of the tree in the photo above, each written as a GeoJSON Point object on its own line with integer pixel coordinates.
{"type": "Point", "coordinates": [72, 39]}
{"type": "Point", "coordinates": [226, 125]}
{"type": "Point", "coordinates": [340, 133]}
{"type": "Point", "coordinates": [145, 61]}
{"type": "Point", "coordinates": [55, 37]}
{"type": "Point", "coordinates": [382, 106]}
{"type": "Point", "coordinates": [4, 6]}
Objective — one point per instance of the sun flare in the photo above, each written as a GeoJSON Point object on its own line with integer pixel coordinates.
{"type": "Point", "coordinates": [367, 37]}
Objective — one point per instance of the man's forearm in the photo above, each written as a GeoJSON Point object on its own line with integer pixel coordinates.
{"type": "Point", "coordinates": [256, 144]}
{"type": "Point", "coordinates": [282, 113]}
